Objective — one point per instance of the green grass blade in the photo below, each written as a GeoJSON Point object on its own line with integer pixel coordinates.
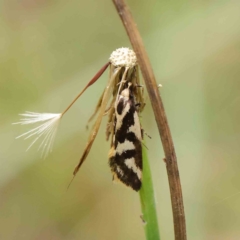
{"type": "Point", "coordinates": [149, 211]}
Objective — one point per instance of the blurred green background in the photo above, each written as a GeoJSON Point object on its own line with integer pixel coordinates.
{"type": "Point", "coordinates": [49, 50]}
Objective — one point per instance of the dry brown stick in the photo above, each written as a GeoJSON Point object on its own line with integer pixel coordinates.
{"type": "Point", "coordinates": [161, 119]}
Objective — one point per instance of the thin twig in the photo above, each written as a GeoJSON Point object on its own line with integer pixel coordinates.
{"type": "Point", "coordinates": [161, 119]}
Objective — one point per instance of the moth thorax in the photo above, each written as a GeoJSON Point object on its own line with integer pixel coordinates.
{"type": "Point", "coordinates": [123, 57]}
{"type": "Point", "coordinates": [125, 93]}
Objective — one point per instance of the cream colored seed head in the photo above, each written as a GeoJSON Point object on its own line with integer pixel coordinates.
{"type": "Point", "coordinates": [123, 57]}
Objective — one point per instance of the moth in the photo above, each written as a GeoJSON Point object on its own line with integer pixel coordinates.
{"type": "Point", "coordinates": [122, 100]}
{"type": "Point", "coordinates": [125, 156]}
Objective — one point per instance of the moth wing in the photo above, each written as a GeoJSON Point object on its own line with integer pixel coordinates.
{"type": "Point", "coordinates": [125, 156]}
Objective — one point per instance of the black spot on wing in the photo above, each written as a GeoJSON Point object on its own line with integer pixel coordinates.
{"type": "Point", "coordinates": [129, 177]}
{"type": "Point", "coordinates": [127, 122]}
{"type": "Point", "coordinates": [125, 155]}
{"type": "Point", "coordinates": [138, 156]}
{"type": "Point", "coordinates": [120, 106]}
{"type": "Point", "coordinates": [131, 137]}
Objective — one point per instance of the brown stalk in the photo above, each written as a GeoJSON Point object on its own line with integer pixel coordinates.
{"type": "Point", "coordinates": [160, 117]}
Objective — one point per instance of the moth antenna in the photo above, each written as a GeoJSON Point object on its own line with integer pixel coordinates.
{"type": "Point", "coordinates": [147, 135]}
{"type": "Point", "coordinates": [93, 80]}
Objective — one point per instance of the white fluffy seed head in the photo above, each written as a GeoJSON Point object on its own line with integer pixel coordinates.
{"type": "Point", "coordinates": [123, 57]}
{"type": "Point", "coordinates": [47, 130]}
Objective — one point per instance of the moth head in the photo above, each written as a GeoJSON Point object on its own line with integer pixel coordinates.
{"type": "Point", "coordinates": [126, 93]}
{"type": "Point", "coordinates": [123, 57]}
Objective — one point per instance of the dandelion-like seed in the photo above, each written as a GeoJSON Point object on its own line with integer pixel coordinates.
{"type": "Point", "coordinates": [47, 130]}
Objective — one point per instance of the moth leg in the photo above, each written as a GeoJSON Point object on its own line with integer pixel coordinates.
{"type": "Point", "coordinates": [144, 145]}
{"type": "Point", "coordinates": [138, 104]}
{"type": "Point", "coordinates": [105, 99]}
{"type": "Point", "coordinates": [144, 132]}
{"type": "Point", "coordinates": [147, 135]}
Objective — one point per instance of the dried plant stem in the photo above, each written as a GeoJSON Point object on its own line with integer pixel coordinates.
{"type": "Point", "coordinates": [161, 119]}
